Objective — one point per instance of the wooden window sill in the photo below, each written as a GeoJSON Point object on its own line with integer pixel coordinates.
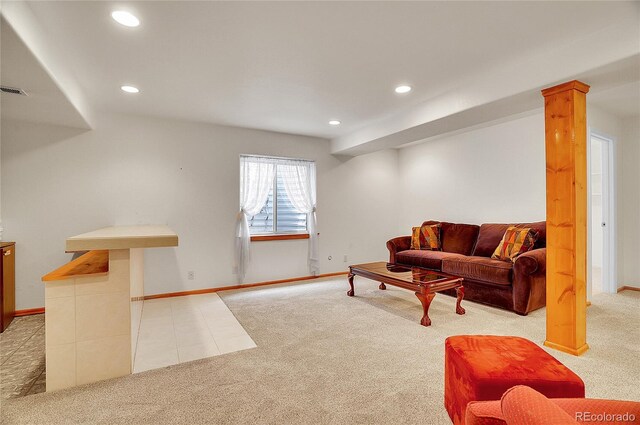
{"type": "Point", "coordinates": [282, 237]}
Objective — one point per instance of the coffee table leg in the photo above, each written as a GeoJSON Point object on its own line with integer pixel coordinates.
{"type": "Point", "coordinates": [425, 299]}
{"type": "Point", "coordinates": [382, 286]}
{"type": "Point", "coordinates": [350, 291]}
{"type": "Point", "coordinates": [460, 293]}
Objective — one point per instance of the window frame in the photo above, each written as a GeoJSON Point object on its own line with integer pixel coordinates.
{"type": "Point", "coordinates": [276, 234]}
{"type": "Point", "coordinates": [279, 237]}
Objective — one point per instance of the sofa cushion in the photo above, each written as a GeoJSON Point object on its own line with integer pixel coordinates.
{"type": "Point", "coordinates": [458, 238]}
{"type": "Point", "coordinates": [541, 228]}
{"type": "Point", "coordinates": [427, 237]}
{"type": "Point", "coordinates": [516, 241]}
{"type": "Point", "coordinates": [424, 258]}
{"type": "Point", "coordinates": [490, 235]}
{"type": "Point", "coordinates": [479, 268]}
{"type": "Point", "coordinates": [415, 237]}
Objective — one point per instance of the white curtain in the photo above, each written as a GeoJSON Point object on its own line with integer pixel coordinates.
{"type": "Point", "coordinates": [299, 179]}
{"type": "Point", "coordinates": [256, 178]}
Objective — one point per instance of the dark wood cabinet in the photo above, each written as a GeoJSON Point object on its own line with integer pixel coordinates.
{"type": "Point", "coordinates": [7, 283]}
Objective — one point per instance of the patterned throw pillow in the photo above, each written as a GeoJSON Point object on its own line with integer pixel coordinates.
{"type": "Point", "coordinates": [426, 237]}
{"type": "Point", "coordinates": [415, 238]}
{"type": "Point", "coordinates": [516, 240]}
{"type": "Point", "coordinates": [430, 235]}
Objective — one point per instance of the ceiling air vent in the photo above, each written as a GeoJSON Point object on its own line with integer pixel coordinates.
{"type": "Point", "coordinates": [13, 90]}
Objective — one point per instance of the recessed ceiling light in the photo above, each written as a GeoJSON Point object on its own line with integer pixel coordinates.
{"type": "Point", "coordinates": [129, 89]}
{"type": "Point", "coordinates": [403, 89]}
{"type": "Point", "coordinates": [334, 122]}
{"type": "Point", "coordinates": [125, 18]}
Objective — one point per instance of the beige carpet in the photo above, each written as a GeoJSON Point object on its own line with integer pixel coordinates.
{"type": "Point", "coordinates": [325, 358]}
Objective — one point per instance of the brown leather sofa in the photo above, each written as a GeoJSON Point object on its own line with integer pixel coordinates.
{"type": "Point", "coordinates": [466, 252]}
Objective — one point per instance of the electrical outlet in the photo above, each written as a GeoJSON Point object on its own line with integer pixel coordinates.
{"type": "Point", "coordinates": [190, 275]}
{"type": "Point", "coordinates": [345, 258]}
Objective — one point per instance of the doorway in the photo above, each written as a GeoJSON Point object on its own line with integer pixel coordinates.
{"type": "Point", "coordinates": [601, 270]}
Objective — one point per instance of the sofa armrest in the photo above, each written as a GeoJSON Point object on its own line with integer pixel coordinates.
{"type": "Point", "coordinates": [580, 409]}
{"type": "Point", "coordinates": [534, 261]}
{"type": "Point", "coordinates": [395, 245]}
{"type": "Point", "coordinates": [522, 405]}
{"type": "Point", "coordinates": [530, 281]}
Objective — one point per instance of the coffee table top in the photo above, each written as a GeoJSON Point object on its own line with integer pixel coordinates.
{"type": "Point", "coordinates": [402, 273]}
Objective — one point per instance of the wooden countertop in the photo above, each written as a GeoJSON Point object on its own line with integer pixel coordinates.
{"type": "Point", "coordinates": [91, 263]}
{"type": "Point", "coordinates": [124, 237]}
{"type": "Point", "coordinates": [6, 244]}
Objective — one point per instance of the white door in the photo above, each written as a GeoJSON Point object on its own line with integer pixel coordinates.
{"type": "Point", "coordinates": [601, 271]}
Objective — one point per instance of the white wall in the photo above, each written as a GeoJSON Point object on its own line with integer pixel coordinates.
{"type": "Point", "coordinates": [59, 182]}
{"type": "Point", "coordinates": [497, 174]}
{"type": "Point", "coordinates": [629, 195]}
{"type": "Point", "coordinates": [494, 174]}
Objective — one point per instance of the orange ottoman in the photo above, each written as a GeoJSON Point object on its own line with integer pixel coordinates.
{"type": "Point", "coordinates": [483, 367]}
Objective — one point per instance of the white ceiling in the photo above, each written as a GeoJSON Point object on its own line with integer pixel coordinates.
{"type": "Point", "coordinates": [622, 100]}
{"type": "Point", "coordinates": [45, 101]}
{"type": "Point", "coordinates": [292, 66]}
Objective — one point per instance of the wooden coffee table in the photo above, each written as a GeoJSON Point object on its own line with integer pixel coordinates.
{"type": "Point", "coordinates": [424, 282]}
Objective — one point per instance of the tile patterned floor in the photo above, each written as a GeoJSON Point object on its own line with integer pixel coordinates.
{"type": "Point", "coordinates": [22, 357]}
{"type": "Point", "coordinates": [182, 329]}
{"type": "Point", "coordinates": [172, 331]}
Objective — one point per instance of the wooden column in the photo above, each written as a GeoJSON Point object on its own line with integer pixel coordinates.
{"type": "Point", "coordinates": [565, 115]}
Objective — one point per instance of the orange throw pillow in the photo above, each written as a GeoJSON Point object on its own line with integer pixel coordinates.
{"type": "Point", "coordinates": [516, 240]}
{"type": "Point", "coordinates": [415, 238]}
{"type": "Point", "coordinates": [426, 237]}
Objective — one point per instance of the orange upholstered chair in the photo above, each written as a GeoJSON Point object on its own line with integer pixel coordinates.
{"type": "Point", "coordinates": [483, 367]}
{"type": "Point", "coordinates": [522, 405]}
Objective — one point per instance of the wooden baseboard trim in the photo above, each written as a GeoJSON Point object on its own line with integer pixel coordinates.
{"type": "Point", "coordinates": [570, 350]}
{"type": "Point", "coordinates": [40, 310]}
{"type": "Point", "coordinates": [28, 312]}
{"type": "Point", "coordinates": [247, 285]}
{"type": "Point", "coordinates": [628, 288]}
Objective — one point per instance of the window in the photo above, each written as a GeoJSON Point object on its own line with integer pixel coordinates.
{"type": "Point", "coordinates": [277, 201]}
{"type": "Point", "coordinates": [278, 215]}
